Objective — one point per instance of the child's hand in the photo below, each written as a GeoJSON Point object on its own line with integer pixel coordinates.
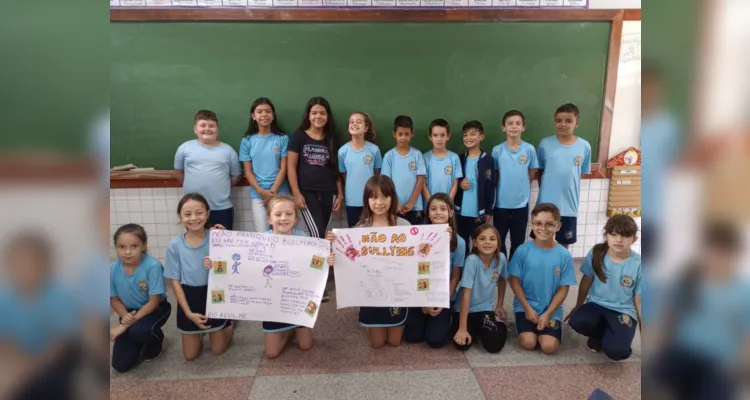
{"type": "Point", "coordinates": [400, 209]}
{"type": "Point", "coordinates": [266, 194]}
{"type": "Point", "coordinates": [500, 314]}
{"type": "Point", "coordinates": [487, 218]}
{"type": "Point", "coordinates": [434, 311]}
{"type": "Point", "coordinates": [543, 321]}
{"type": "Point", "coordinates": [531, 315]}
{"type": "Point", "coordinates": [299, 200]}
{"type": "Point", "coordinates": [337, 204]}
{"type": "Point", "coordinates": [116, 331]}
{"type": "Point", "coordinates": [331, 237]}
{"type": "Point", "coordinates": [199, 320]}
{"type": "Point", "coordinates": [217, 227]}
{"type": "Point", "coordinates": [331, 259]}
{"type": "Point", "coordinates": [465, 184]}
{"type": "Point", "coordinates": [426, 310]}
{"type": "Point", "coordinates": [449, 229]}
{"type": "Point", "coordinates": [128, 319]}
{"type": "Point", "coordinates": [462, 338]}
{"type": "Point", "coordinates": [567, 317]}
{"type": "Point", "coordinates": [407, 207]}
{"type": "Point", "coordinates": [207, 262]}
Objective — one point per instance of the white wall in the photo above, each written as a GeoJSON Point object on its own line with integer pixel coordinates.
{"type": "Point", "coordinates": [626, 120]}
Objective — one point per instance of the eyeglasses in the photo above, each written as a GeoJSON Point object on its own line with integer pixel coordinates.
{"type": "Point", "coordinates": [548, 225]}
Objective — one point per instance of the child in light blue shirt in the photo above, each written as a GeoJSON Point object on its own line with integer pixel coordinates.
{"type": "Point", "coordinates": [563, 158]}
{"type": "Point", "coordinates": [405, 166]}
{"type": "Point", "coordinates": [263, 152]}
{"type": "Point", "coordinates": [209, 167]}
{"type": "Point", "coordinates": [359, 160]}
{"type": "Point", "coordinates": [443, 166]}
{"type": "Point", "coordinates": [515, 165]}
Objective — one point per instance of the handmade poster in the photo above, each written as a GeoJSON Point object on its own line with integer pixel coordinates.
{"type": "Point", "coordinates": [398, 266]}
{"type": "Point", "coordinates": [265, 277]}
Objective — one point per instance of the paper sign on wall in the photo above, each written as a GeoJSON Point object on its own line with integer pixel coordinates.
{"type": "Point", "coordinates": [265, 277]}
{"type": "Point", "coordinates": [399, 266]}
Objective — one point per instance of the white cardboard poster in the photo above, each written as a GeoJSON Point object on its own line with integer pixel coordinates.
{"type": "Point", "coordinates": [398, 266]}
{"type": "Point", "coordinates": [265, 277]}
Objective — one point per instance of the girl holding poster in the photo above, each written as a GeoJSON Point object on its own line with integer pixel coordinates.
{"type": "Point", "coordinates": [384, 324]}
{"type": "Point", "coordinates": [432, 324]}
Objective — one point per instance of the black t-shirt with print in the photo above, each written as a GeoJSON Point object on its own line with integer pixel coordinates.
{"type": "Point", "coordinates": [314, 172]}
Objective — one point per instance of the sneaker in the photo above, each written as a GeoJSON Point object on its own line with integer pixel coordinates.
{"type": "Point", "coordinates": [589, 347]}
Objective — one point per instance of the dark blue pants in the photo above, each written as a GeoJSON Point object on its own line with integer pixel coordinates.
{"type": "Point", "coordinates": [607, 330]}
{"type": "Point", "coordinates": [414, 218]}
{"type": "Point", "coordinates": [142, 339]}
{"type": "Point", "coordinates": [352, 215]}
{"type": "Point", "coordinates": [421, 327]}
{"type": "Point", "coordinates": [223, 217]}
{"type": "Point", "coordinates": [482, 326]}
{"type": "Point", "coordinates": [514, 220]}
{"type": "Point", "coordinates": [690, 375]}
{"type": "Point", "coordinates": [466, 227]}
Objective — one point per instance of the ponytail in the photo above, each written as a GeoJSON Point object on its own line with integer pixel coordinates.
{"type": "Point", "coordinates": [597, 260]}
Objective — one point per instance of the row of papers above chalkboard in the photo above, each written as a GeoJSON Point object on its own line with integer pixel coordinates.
{"type": "Point", "coordinates": [353, 3]}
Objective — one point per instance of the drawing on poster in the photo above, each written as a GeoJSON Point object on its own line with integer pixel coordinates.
{"type": "Point", "coordinates": [220, 267]}
{"type": "Point", "coordinates": [267, 271]}
{"type": "Point", "coordinates": [217, 296]}
{"type": "Point", "coordinates": [311, 308]}
{"type": "Point", "coordinates": [423, 267]}
{"type": "Point", "coordinates": [377, 266]}
{"type": "Point", "coordinates": [317, 262]}
{"type": "Point", "coordinates": [236, 257]}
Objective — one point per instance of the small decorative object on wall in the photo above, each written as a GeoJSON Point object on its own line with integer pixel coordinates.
{"type": "Point", "coordinates": [625, 185]}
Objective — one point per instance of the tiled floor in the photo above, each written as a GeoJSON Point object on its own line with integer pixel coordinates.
{"type": "Point", "coordinates": [343, 366]}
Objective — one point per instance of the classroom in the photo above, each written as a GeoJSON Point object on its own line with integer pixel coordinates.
{"type": "Point", "coordinates": [455, 63]}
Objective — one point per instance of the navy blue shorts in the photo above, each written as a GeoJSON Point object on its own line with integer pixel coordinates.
{"type": "Point", "coordinates": [568, 231]}
{"type": "Point", "coordinates": [382, 317]}
{"type": "Point", "coordinates": [196, 298]}
{"type": "Point", "coordinates": [223, 217]}
{"type": "Point", "coordinates": [352, 215]}
{"type": "Point", "coordinates": [273, 327]}
{"type": "Point", "coordinates": [524, 325]}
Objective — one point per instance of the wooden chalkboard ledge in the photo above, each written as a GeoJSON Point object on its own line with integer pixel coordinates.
{"type": "Point", "coordinates": [164, 179]}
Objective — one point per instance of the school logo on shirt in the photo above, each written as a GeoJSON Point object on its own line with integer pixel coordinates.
{"type": "Point", "coordinates": [495, 275]}
{"type": "Point", "coordinates": [412, 166]}
{"type": "Point", "coordinates": [577, 161]}
{"type": "Point", "coordinates": [625, 320]}
{"type": "Point", "coordinates": [276, 148]}
{"type": "Point", "coordinates": [448, 169]}
{"type": "Point", "coordinates": [626, 281]}
{"type": "Point", "coordinates": [522, 159]}
{"type": "Point", "coordinates": [368, 159]}
{"type": "Point", "coordinates": [552, 324]}
{"type": "Point", "coordinates": [557, 271]}
{"type": "Point", "coordinates": [142, 286]}
{"type": "Point", "coordinates": [395, 311]}
{"type": "Point", "coordinates": [569, 235]}
{"type": "Point", "coordinates": [488, 174]}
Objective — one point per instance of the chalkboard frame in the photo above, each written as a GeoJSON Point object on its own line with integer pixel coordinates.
{"type": "Point", "coordinates": [615, 17]}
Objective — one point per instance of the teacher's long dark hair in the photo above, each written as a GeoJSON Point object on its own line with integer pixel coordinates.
{"type": "Point", "coordinates": [329, 129]}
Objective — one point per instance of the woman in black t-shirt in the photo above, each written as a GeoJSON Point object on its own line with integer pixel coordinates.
{"type": "Point", "coordinates": [312, 167]}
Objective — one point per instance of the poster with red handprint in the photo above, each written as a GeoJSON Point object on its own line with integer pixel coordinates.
{"type": "Point", "coordinates": [397, 266]}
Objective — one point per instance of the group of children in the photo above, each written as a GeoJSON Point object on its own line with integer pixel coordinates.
{"type": "Point", "coordinates": [404, 187]}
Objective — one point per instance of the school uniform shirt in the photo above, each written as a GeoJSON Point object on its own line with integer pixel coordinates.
{"type": "Point", "coordinates": [359, 166]}
{"type": "Point", "coordinates": [660, 146]}
{"type": "Point", "coordinates": [265, 153]}
{"type": "Point", "coordinates": [470, 200]}
{"type": "Point", "coordinates": [482, 282]}
{"type": "Point", "coordinates": [458, 258]}
{"type": "Point", "coordinates": [134, 290]}
{"type": "Point", "coordinates": [208, 171]}
{"type": "Point", "coordinates": [441, 171]}
{"type": "Point", "coordinates": [542, 272]}
{"type": "Point", "coordinates": [403, 170]}
{"type": "Point", "coordinates": [514, 186]}
{"type": "Point", "coordinates": [314, 172]}
{"type": "Point", "coordinates": [185, 264]}
{"type": "Point", "coordinates": [561, 179]}
{"type": "Point", "coordinates": [623, 283]}
{"type": "Point", "coordinates": [33, 324]}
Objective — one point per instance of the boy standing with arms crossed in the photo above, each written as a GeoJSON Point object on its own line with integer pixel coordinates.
{"type": "Point", "coordinates": [405, 166]}
{"type": "Point", "coordinates": [563, 158]}
{"type": "Point", "coordinates": [210, 168]}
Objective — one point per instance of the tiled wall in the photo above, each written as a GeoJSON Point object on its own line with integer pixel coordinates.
{"type": "Point", "coordinates": [156, 210]}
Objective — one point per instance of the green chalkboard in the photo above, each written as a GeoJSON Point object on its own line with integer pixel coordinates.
{"type": "Point", "coordinates": [162, 73]}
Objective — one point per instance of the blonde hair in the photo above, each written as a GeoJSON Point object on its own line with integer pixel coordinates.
{"type": "Point", "coordinates": [278, 198]}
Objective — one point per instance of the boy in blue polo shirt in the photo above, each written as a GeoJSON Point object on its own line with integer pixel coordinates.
{"type": "Point", "coordinates": [540, 273]}
{"type": "Point", "coordinates": [209, 167]}
{"type": "Point", "coordinates": [563, 158]}
{"type": "Point", "coordinates": [443, 165]}
{"type": "Point", "coordinates": [405, 166]}
{"type": "Point", "coordinates": [515, 165]}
